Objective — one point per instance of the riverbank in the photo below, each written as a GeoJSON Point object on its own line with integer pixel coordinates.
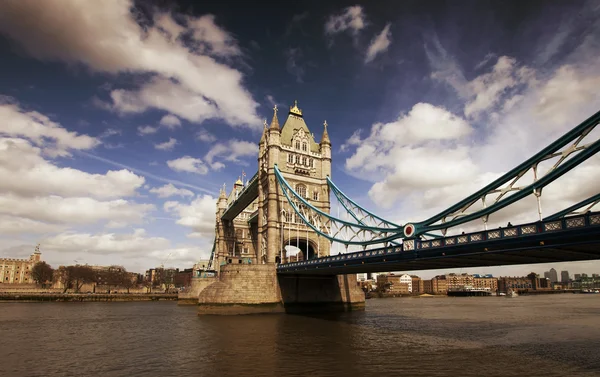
{"type": "Point", "coordinates": [83, 297]}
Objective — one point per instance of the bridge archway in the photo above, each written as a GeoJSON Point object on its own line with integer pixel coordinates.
{"type": "Point", "coordinates": [297, 250]}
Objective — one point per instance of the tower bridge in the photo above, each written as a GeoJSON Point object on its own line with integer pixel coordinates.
{"type": "Point", "coordinates": [274, 233]}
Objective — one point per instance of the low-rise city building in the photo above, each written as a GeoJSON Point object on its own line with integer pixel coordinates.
{"type": "Point", "coordinates": [18, 271]}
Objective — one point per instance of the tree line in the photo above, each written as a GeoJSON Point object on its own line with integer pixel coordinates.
{"type": "Point", "coordinates": [74, 277]}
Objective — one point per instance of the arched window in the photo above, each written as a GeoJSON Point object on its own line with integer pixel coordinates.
{"type": "Point", "coordinates": [290, 158]}
{"type": "Point", "coordinates": [301, 190]}
{"type": "Point", "coordinates": [304, 161]}
{"type": "Point", "coordinates": [297, 145]}
{"type": "Point", "coordinates": [310, 163]}
{"type": "Point", "coordinates": [289, 217]}
{"type": "Point", "coordinates": [297, 159]}
{"type": "Point", "coordinates": [315, 195]}
{"type": "Point", "coordinates": [304, 147]}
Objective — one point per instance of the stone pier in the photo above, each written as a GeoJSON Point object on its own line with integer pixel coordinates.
{"type": "Point", "coordinates": [254, 289]}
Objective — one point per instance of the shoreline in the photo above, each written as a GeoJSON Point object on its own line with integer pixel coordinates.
{"type": "Point", "coordinates": [85, 297]}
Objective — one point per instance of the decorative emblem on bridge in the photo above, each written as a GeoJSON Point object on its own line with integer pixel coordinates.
{"type": "Point", "coordinates": [409, 230]}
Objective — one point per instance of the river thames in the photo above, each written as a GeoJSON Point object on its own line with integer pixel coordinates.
{"type": "Point", "coordinates": [553, 335]}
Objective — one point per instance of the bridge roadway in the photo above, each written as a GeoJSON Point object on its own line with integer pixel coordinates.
{"type": "Point", "coordinates": [569, 239]}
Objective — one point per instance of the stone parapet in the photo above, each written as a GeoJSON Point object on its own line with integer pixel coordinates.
{"type": "Point", "coordinates": [198, 284]}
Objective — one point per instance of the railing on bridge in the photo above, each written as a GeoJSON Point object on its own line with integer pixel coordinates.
{"type": "Point", "coordinates": [413, 245]}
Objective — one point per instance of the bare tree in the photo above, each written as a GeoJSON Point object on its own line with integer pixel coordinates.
{"type": "Point", "coordinates": [81, 275]}
{"type": "Point", "coordinates": [42, 273]}
{"type": "Point", "coordinates": [63, 276]}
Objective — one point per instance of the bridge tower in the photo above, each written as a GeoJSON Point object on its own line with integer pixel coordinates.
{"type": "Point", "coordinates": [255, 222]}
{"type": "Point", "coordinates": [305, 164]}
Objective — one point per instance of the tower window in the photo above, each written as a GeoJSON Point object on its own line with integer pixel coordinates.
{"type": "Point", "coordinates": [310, 163]}
{"type": "Point", "coordinates": [297, 159]}
{"type": "Point", "coordinates": [301, 190]}
{"type": "Point", "coordinates": [315, 195]}
{"type": "Point", "coordinates": [304, 147]}
{"type": "Point", "coordinates": [290, 158]}
{"type": "Point", "coordinates": [304, 161]}
{"type": "Point", "coordinates": [297, 145]}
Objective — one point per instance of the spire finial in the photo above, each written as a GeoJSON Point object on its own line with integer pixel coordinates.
{"type": "Point", "coordinates": [275, 121]}
{"type": "Point", "coordinates": [265, 123]}
{"type": "Point", "coordinates": [325, 138]}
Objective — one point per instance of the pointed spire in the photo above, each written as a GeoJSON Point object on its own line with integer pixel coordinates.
{"type": "Point", "coordinates": [222, 193]}
{"type": "Point", "coordinates": [275, 121]}
{"type": "Point", "coordinates": [325, 138]}
{"type": "Point", "coordinates": [263, 138]}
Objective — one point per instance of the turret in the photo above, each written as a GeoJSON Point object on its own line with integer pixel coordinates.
{"type": "Point", "coordinates": [222, 201]}
{"type": "Point", "coordinates": [274, 130]}
{"type": "Point", "coordinates": [325, 146]}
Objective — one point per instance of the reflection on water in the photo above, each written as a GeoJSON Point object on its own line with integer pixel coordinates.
{"type": "Point", "coordinates": [550, 336]}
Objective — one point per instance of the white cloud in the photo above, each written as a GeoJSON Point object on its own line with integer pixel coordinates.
{"type": "Point", "coordinates": [187, 80]}
{"type": "Point", "coordinates": [147, 130]}
{"type": "Point", "coordinates": [25, 172]}
{"type": "Point", "coordinates": [379, 44]}
{"type": "Point", "coordinates": [170, 190]}
{"type": "Point", "coordinates": [199, 215]}
{"type": "Point", "coordinates": [170, 121]}
{"type": "Point", "coordinates": [230, 151]}
{"type": "Point", "coordinates": [514, 110]}
{"type": "Point", "coordinates": [167, 145]}
{"type": "Point", "coordinates": [20, 225]}
{"type": "Point", "coordinates": [351, 18]}
{"type": "Point", "coordinates": [188, 164]}
{"type": "Point", "coordinates": [136, 243]}
{"type": "Point", "coordinates": [41, 130]}
{"type": "Point", "coordinates": [205, 136]}
{"type": "Point", "coordinates": [75, 210]}
{"type": "Point", "coordinates": [490, 88]}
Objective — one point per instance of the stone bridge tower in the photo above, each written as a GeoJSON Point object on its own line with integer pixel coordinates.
{"type": "Point", "coordinates": [255, 224]}
{"type": "Point", "coordinates": [305, 164]}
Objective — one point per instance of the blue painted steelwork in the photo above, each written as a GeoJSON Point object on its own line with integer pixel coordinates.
{"type": "Point", "coordinates": [357, 228]}
{"type": "Point", "coordinates": [576, 135]}
{"type": "Point", "coordinates": [483, 240]}
{"type": "Point", "coordinates": [345, 201]}
{"type": "Point", "coordinates": [592, 201]}
{"type": "Point", "coordinates": [364, 214]}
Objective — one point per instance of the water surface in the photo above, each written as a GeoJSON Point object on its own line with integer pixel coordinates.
{"type": "Point", "coordinates": [555, 335]}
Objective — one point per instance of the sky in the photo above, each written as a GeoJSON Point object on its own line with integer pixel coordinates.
{"type": "Point", "coordinates": [120, 120]}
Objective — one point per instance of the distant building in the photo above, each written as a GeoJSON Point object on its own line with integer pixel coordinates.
{"type": "Point", "coordinates": [18, 271]}
{"type": "Point", "coordinates": [436, 286]}
{"type": "Point", "coordinates": [564, 276]}
{"type": "Point", "coordinates": [553, 275]}
{"type": "Point", "coordinates": [518, 284]}
{"type": "Point", "coordinates": [417, 284]}
{"type": "Point", "coordinates": [398, 284]}
{"type": "Point", "coordinates": [486, 282]}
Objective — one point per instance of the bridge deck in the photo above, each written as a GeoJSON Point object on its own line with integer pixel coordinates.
{"type": "Point", "coordinates": [244, 199]}
{"type": "Point", "coordinates": [564, 240]}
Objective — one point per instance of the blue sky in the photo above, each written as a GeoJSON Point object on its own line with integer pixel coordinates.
{"type": "Point", "coordinates": [116, 139]}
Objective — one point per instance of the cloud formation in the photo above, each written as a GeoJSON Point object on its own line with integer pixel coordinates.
{"type": "Point", "coordinates": [351, 19]}
{"type": "Point", "coordinates": [186, 79]}
{"type": "Point", "coordinates": [379, 44]}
